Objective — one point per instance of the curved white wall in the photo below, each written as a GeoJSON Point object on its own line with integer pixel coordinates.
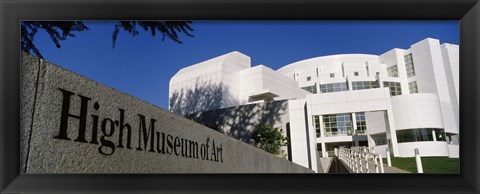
{"type": "Point", "coordinates": [333, 64]}
{"type": "Point", "coordinates": [417, 111]}
{"type": "Point", "coordinates": [426, 148]}
{"type": "Point", "coordinates": [208, 85]}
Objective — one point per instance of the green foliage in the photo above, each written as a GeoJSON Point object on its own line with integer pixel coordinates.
{"type": "Point", "coordinates": [269, 139]}
{"type": "Point", "coordinates": [442, 165]}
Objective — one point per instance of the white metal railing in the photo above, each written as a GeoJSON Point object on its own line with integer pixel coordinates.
{"type": "Point", "coordinates": [360, 160]}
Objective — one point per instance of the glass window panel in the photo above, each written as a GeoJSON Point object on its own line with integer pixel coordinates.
{"type": "Point", "coordinates": [409, 65]}
{"type": "Point", "coordinates": [422, 134]}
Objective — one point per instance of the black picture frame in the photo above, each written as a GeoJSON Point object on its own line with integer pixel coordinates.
{"type": "Point", "coordinates": [466, 11]}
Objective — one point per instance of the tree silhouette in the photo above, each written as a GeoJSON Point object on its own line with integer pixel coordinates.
{"type": "Point", "coordinates": [56, 30]}
{"type": "Point", "coordinates": [61, 30]}
{"type": "Point", "coordinates": [168, 29]}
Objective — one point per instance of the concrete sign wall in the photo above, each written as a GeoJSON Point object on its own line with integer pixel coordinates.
{"type": "Point", "coordinates": [71, 124]}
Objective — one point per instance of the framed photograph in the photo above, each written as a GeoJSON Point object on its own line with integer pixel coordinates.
{"type": "Point", "coordinates": [342, 118]}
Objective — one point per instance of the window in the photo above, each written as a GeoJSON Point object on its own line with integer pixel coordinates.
{"type": "Point", "coordinates": [413, 87]}
{"type": "Point", "coordinates": [422, 134]}
{"type": "Point", "coordinates": [395, 88]}
{"type": "Point", "coordinates": [337, 125]}
{"type": "Point", "coordinates": [440, 134]}
{"type": "Point", "coordinates": [361, 123]}
{"type": "Point", "coordinates": [361, 85]}
{"type": "Point", "coordinates": [311, 89]}
{"type": "Point", "coordinates": [409, 65]}
{"type": "Point", "coordinates": [379, 139]}
{"type": "Point", "coordinates": [333, 87]}
{"type": "Point", "coordinates": [393, 71]}
{"type": "Point", "coordinates": [309, 78]}
{"type": "Point", "coordinates": [316, 121]}
{"type": "Point", "coordinates": [332, 75]}
{"type": "Point", "coordinates": [355, 73]}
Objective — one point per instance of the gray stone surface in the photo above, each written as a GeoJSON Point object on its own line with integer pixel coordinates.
{"type": "Point", "coordinates": [324, 164]}
{"type": "Point", "coordinates": [28, 81]}
{"type": "Point", "coordinates": [51, 152]}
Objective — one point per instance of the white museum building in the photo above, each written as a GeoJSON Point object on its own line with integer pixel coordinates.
{"type": "Point", "coordinates": [401, 100]}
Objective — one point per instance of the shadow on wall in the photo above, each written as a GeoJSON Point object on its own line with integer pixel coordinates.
{"type": "Point", "coordinates": [201, 97]}
{"type": "Point", "coordinates": [241, 122]}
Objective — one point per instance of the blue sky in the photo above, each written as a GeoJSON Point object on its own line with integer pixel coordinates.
{"type": "Point", "coordinates": [143, 65]}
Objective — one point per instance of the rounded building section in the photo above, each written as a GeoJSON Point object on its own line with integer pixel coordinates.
{"type": "Point", "coordinates": [328, 69]}
{"type": "Point", "coordinates": [337, 73]}
{"type": "Point", "coordinates": [397, 101]}
{"type": "Point", "coordinates": [419, 124]}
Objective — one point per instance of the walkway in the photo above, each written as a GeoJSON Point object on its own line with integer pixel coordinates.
{"type": "Point", "coordinates": [389, 169]}
{"type": "Point", "coordinates": [360, 160]}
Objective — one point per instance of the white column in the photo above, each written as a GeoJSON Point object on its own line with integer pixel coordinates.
{"type": "Point", "coordinates": [418, 160]}
{"type": "Point", "coordinates": [389, 161]}
{"type": "Point", "coordinates": [381, 163]}
{"type": "Point", "coordinates": [320, 120]}
{"type": "Point", "coordinates": [434, 136]}
{"type": "Point", "coordinates": [354, 124]}
{"type": "Point", "coordinates": [324, 150]}
{"type": "Point", "coordinates": [392, 133]}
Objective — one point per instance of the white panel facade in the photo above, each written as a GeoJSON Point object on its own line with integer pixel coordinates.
{"type": "Point", "coordinates": [207, 85]}
{"type": "Point", "coordinates": [417, 111]}
{"type": "Point", "coordinates": [376, 122]}
{"type": "Point", "coordinates": [348, 99]}
{"type": "Point", "coordinates": [432, 78]}
{"type": "Point", "coordinates": [450, 54]}
{"type": "Point", "coordinates": [439, 148]}
{"type": "Point", "coordinates": [300, 142]}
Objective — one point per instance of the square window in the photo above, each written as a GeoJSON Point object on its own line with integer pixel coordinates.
{"type": "Point", "coordinates": [309, 78]}
{"type": "Point", "coordinates": [332, 75]}
{"type": "Point", "coordinates": [355, 73]}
